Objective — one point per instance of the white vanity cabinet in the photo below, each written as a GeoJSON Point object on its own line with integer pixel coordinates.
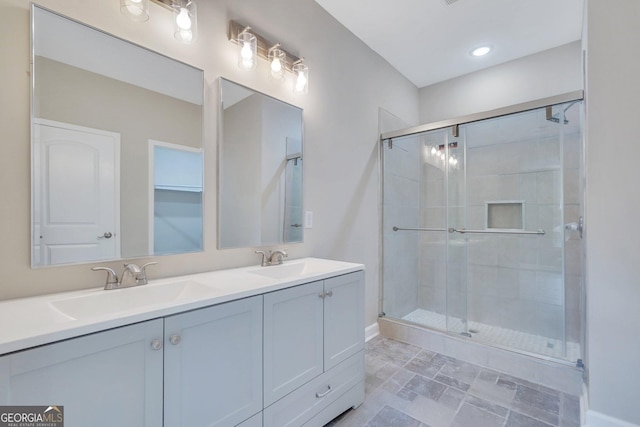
{"type": "Point", "coordinates": [208, 365]}
{"type": "Point", "coordinates": [213, 365]}
{"type": "Point", "coordinates": [264, 349]}
{"type": "Point", "coordinates": [111, 378]}
{"type": "Point", "coordinates": [313, 351]}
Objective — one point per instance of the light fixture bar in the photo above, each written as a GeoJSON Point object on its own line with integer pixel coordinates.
{"type": "Point", "coordinates": [164, 3]}
{"type": "Point", "coordinates": [235, 29]}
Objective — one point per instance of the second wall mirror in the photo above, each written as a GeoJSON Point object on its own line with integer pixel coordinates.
{"type": "Point", "coordinates": [260, 169]}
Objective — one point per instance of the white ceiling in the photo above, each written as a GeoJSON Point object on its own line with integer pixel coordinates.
{"type": "Point", "coordinates": [430, 40]}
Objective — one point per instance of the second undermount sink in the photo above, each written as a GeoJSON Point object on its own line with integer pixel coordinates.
{"type": "Point", "coordinates": [121, 300]}
{"type": "Point", "coordinates": [292, 269]}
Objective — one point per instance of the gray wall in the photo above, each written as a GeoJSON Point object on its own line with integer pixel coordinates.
{"type": "Point", "coordinates": [340, 124]}
{"type": "Point", "coordinates": [613, 204]}
{"type": "Point", "coordinates": [544, 74]}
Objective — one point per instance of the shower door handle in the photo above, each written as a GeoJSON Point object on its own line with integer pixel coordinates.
{"type": "Point", "coordinates": [539, 232]}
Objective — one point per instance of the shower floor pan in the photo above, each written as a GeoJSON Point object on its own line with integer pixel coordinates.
{"type": "Point", "coordinates": [501, 336]}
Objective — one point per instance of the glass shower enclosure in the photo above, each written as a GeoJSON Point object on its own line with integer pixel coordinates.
{"type": "Point", "coordinates": [481, 228]}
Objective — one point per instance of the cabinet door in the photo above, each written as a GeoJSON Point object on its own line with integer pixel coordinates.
{"type": "Point", "coordinates": [213, 365]}
{"type": "Point", "coordinates": [343, 317]}
{"type": "Point", "coordinates": [111, 378]}
{"type": "Point", "coordinates": [292, 339]}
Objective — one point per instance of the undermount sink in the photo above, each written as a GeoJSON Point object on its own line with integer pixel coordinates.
{"type": "Point", "coordinates": [291, 269]}
{"type": "Point", "coordinates": [121, 300]}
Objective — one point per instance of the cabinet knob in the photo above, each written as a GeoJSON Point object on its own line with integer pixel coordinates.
{"type": "Point", "coordinates": [156, 344]}
{"type": "Point", "coordinates": [175, 339]}
{"type": "Point", "coordinates": [329, 293]}
{"type": "Point", "coordinates": [321, 295]}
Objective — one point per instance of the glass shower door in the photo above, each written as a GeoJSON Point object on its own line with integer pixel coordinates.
{"type": "Point", "coordinates": [506, 233]}
{"type": "Point", "coordinates": [457, 245]}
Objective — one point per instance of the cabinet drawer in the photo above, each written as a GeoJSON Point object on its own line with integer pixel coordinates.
{"type": "Point", "coordinates": [301, 405]}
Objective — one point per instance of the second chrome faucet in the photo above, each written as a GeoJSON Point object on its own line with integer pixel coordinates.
{"type": "Point", "coordinates": [131, 276]}
{"type": "Point", "coordinates": [272, 257]}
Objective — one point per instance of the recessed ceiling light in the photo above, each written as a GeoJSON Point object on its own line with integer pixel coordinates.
{"type": "Point", "coordinates": [481, 51]}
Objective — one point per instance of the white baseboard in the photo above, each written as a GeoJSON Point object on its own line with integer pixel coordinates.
{"type": "Point", "coordinates": [597, 419]}
{"type": "Point", "coordinates": [371, 331]}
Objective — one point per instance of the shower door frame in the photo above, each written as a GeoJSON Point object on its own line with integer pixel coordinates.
{"type": "Point", "coordinates": [387, 138]}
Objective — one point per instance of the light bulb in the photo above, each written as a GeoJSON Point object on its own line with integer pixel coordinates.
{"type": "Point", "coordinates": [182, 20]}
{"type": "Point", "coordinates": [276, 65]}
{"type": "Point", "coordinates": [301, 81]}
{"type": "Point", "coordinates": [186, 35]}
{"type": "Point", "coordinates": [134, 10]}
{"type": "Point", "coordinates": [246, 52]}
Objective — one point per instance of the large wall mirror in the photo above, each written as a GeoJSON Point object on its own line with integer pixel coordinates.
{"type": "Point", "coordinates": [259, 170]}
{"type": "Point", "coordinates": [117, 162]}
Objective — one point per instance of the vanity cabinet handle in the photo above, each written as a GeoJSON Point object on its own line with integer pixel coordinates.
{"type": "Point", "coordinates": [323, 294]}
{"type": "Point", "coordinates": [323, 394]}
{"type": "Point", "coordinates": [106, 235]}
{"type": "Point", "coordinates": [175, 339]}
{"type": "Point", "coordinates": [156, 344]}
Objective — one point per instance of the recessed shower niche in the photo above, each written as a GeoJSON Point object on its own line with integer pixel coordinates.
{"type": "Point", "coordinates": [505, 215]}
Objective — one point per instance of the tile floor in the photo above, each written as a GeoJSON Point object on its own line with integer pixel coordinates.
{"type": "Point", "coordinates": [409, 386]}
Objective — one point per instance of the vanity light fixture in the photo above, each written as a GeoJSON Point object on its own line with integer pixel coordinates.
{"type": "Point", "coordinates": [136, 10]}
{"type": "Point", "coordinates": [252, 45]}
{"type": "Point", "coordinates": [277, 59]}
{"type": "Point", "coordinates": [185, 19]}
{"type": "Point", "coordinates": [301, 76]}
{"type": "Point", "coordinates": [247, 50]}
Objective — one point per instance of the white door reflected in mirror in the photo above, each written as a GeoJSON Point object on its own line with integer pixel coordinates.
{"type": "Point", "coordinates": [76, 194]}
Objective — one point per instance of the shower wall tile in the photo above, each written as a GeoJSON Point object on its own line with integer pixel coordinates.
{"type": "Point", "coordinates": [548, 153]}
{"type": "Point", "coordinates": [483, 251]}
{"type": "Point", "coordinates": [572, 150]}
{"type": "Point", "coordinates": [432, 173]}
{"type": "Point", "coordinates": [573, 257]}
{"type": "Point", "coordinates": [528, 187]}
{"type": "Point", "coordinates": [507, 283]}
{"type": "Point", "coordinates": [433, 217]}
{"type": "Point", "coordinates": [486, 309]}
{"type": "Point", "coordinates": [573, 306]}
{"type": "Point", "coordinates": [403, 191]}
{"type": "Point", "coordinates": [508, 187]}
{"type": "Point", "coordinates": [550, 259]}
{"type": "Point", "coordinates": [433, 299]}
{"type": "Point", "coordinates": [433, 195]}
{"type": "Point", "coordinates": [571, 186]}
{"type": "Point", "coordinates": [548, 188]}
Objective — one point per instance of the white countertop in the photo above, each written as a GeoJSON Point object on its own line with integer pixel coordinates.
{"type": "Point", "coordinates": [30, 322]}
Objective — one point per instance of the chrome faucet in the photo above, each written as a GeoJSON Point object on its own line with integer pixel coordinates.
{"type": "Point", "coordinates": [131, 276]}
{"type": "Point", "coordinates": [277, 257]}
{"type": "Point", "coordinates": [272, 258]}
